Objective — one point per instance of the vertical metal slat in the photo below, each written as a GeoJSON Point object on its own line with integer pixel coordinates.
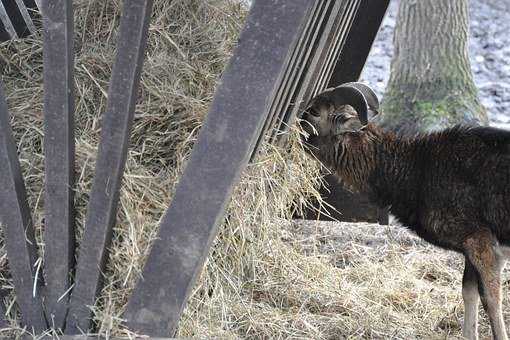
{"type": "Point", "coordinates": [294, 69]}
{"type": "Point", "coordinates": [116, 129]}
{"type": "Point", "coordinates": [341, 35]}
{"type": "Point", "coordinates": [17, 226]}
{"type": "Point", "coordinates": [309, 79]}
{"type": "Point", "coordinates": [355, 52]}
{"type": "Point", "coordinates": [59, 155]}
{"type": "Point", "coordinates": [13, 12]}
{"type": "Point", "coordinates": [7, 23]}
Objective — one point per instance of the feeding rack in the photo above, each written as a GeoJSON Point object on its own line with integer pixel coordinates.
{"type": "Point", "coordinates": [288, 51]}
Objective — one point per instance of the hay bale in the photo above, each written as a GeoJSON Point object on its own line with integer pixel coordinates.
{"type": "Point", "coordinates": [189, 44]}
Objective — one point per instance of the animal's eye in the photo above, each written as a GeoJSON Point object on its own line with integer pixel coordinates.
{"type": "Point", "coordinates": [339, 119]}
{"type": "Point", "coordinates": [313, 112]}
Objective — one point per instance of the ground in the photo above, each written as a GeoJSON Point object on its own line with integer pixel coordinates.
{"type": "Point", "coordinates": [393, 284]}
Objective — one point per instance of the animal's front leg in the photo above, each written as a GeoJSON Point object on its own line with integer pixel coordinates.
{"type": "Point", "coordinates": [471, 300]}
{"type": "Point", "coordinates": [482, 250]}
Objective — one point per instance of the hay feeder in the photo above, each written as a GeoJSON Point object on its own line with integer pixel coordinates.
{"type": "Point", "coordinates": [289, 51]}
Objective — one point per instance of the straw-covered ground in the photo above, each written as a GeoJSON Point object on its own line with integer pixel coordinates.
{"type": "Point", "coordinates": [266, 277]}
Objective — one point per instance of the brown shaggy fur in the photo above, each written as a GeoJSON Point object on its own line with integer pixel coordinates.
{"type": "Point", "coordinates": [451, 187]}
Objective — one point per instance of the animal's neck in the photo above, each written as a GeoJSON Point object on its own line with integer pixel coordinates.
{"type": "Point", "coordinates": [396, 174]}
{"type": "Point", "coordinates": [357, 159]}
{"type": "Point", "coordinates": [380, 165]}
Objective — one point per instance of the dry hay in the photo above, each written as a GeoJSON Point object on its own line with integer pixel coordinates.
{"type": "Point", "coordinates": [265, 277]}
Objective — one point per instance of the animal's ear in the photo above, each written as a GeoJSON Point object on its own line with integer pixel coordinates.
{"type": "Point", "coordinates": [360, 96]}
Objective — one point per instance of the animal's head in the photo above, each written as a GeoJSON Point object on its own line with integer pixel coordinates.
{"type": "Point", "coordinates": [336, 119]}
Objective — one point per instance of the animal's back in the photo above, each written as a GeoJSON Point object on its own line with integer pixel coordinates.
{"type": "Point", "coordinates": [495, 180]}
{"type": "Point", "coordinates": [467, 178]}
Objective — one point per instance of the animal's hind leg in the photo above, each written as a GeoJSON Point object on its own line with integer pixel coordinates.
{"type": "Point", "coordinates": [471, 300]}
{"type": "Point", "coordinates": [482, 250]}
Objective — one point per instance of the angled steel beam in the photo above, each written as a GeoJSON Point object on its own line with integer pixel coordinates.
{"type": "Point", "coordinates": [115, 133]}
{"type": "Point", "coordinates": [59, 156]}
{"type": "Point", "coordinates": [16, 17]}
{"type": "Point", "coordinates": [28, 9]}
{"type": "Point", "coordinates": [366, 24]}
{"type": "Point", "coordinates": [4, 34]}
{"type": "Point", "coordinates": [226, 141]}
{"type": "Point", "coordinates": [295, 68]}
{"type": "Point", "coordinates": [7, 23]}
{"type": "Point", "coordinates": [343, 30]}
{"type": "Point", "coordinates": [340, 13]}
{"type": "Point", "coordinates": [18, 228]}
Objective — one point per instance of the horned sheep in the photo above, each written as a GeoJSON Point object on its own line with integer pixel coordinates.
{"type": "Point", "coordinates": [451, 187]}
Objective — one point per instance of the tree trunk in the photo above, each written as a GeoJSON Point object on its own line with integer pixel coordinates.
{"type": "Point", "coordinates": [431, 85]}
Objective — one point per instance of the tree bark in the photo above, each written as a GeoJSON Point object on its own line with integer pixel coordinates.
{"type": "Point", "coordinates": [431, 85]}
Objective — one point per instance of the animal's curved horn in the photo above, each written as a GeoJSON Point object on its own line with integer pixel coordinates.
{"type": "Point", "coordinates": [370, 96]}
{"type": "Point", "coordinates": [361, 97]}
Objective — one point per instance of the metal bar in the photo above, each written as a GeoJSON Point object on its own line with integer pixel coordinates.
{"type": "Point", "coordinates": [343, 32]}
{"type": "Point", "coordinates": [226, 141]}
{"type": "Point", "coordinates": [17, 226]}
{"type": "Point", "coordinates": [59, 156]}
{"type": "Point", "coordinates": [25, 12]}
{"type": "Point", "coordinates": [116, 129]}
{"type": "Point", "coordinates": [309, 78]}
{"type": "Point", "coordinates": [355, 52]}
{"type": "Point", "coordinates": [8, 25]}
{"type": "Point", "coordinates": [319, 49]}
{"type": "Point", "coordinates": [4, 35]}
{"type": "Point", "coordinates": [33, 8]}
{"type": "Point", "coordinates": [13, 12]}
{"type": "Point", "coordinates": [294, 69]}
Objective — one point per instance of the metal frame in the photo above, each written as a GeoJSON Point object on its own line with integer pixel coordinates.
{"type": "Point", "coordinates": [18, 227]}
{"type": "Point", "coordinates": [59, 155]}
{"type": "Point", "coordinates": [288, 51]}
